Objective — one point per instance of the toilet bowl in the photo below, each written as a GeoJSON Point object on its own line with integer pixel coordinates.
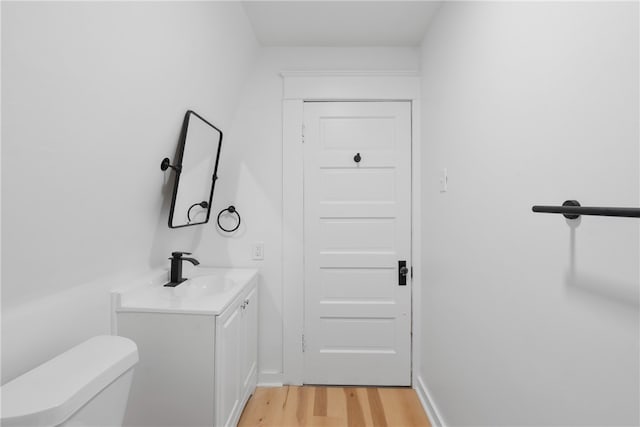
{"type": "Point", "coordinates": [87, 385]}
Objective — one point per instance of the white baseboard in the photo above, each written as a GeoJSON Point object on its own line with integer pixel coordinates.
{"type": "Point", "coordinates": [428, 404]}
{"type": "Point", "coordinates": [270, 379]}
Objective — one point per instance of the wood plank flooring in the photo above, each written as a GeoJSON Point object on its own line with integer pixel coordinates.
{"type": "Point", "coordinates": [313, 406]}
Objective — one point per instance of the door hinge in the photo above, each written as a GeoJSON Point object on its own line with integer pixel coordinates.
{"type": "Point", "coordinates": [303, 134]}
{"type": "Point", "coordinates": [304, 347]}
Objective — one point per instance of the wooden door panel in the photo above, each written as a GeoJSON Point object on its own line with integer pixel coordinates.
{"type": "Point", "coordinates": [357, 133]}
{"type": "Point", "coordinates": [357, 185]}
{"type": "Point", "coordinates": [357, 234]}
{"type": "Point", "coordinates": [357, 284]}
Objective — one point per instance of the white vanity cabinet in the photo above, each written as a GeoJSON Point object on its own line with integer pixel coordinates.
{"type": "Point", "coordinates": [236, 362]}
{"type": "Point", "coordinates": [198, 363]}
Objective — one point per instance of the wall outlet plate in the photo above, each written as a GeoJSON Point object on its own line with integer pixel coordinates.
{"type": "Point", "coordinates": [257, 251]}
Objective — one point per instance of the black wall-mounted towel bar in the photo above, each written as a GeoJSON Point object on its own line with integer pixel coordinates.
{"type": "Point", "coordinates": [571, 209]}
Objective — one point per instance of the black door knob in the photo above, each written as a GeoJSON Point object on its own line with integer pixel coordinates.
{"type": "Point", "coordinates": [357, 158]}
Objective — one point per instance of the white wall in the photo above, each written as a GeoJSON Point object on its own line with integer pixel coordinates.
{"type": "Point", "coordinates": [528, 319]}
{"type": "Point", "coordinates": [93, 98]}
{"type": "Point", "coordinates": [251, 175]}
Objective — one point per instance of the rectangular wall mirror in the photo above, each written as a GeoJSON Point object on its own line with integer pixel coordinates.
{"type": "Point", "coordinates": [195, 171]}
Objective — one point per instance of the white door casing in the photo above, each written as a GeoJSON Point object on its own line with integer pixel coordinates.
{"type": "Point", "coordinates": [357, 226]}
{"type": "Point", "coordinates": [336, 85]}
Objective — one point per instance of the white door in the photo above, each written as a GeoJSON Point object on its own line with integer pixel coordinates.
{"type": "Point", "coordinates": [357, 227]}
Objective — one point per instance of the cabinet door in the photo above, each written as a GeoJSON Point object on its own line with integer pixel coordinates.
{"type": "Point", "coordinates": [249, 350]}
{"type": "Point", "coordinates": [173, 383]}
{"type": "Point", "coordinates": [228, 363]}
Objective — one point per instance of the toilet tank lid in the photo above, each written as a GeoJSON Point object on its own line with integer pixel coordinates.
{"type": "Point", "coordinates": [52, 392]}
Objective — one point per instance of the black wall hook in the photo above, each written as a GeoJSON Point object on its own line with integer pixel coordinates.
{"type": "Point", "coordinates": [166, 164]}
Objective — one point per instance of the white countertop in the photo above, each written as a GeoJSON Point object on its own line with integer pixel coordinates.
{"type": "Point", "coordinates": [208, 291]}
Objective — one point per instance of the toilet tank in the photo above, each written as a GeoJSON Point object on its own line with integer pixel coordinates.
{"type": "Point", "coordinates": [86, 385]}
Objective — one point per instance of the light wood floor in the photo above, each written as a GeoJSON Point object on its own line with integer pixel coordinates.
{"type": "Point", "coordinates": [304, 406]}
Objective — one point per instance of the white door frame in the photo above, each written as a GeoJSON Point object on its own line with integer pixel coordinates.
{"type": "Point", "coordinates": [301, 86]}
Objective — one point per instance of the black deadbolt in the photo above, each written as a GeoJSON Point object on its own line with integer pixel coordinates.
{"type": "Point", "coordinates": [402, 273]}
{"type": "Point", "coordinates": [357, 158]}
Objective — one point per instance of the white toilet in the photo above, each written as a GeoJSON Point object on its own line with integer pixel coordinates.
{"type": "Point", "coordinates": [87, 385]}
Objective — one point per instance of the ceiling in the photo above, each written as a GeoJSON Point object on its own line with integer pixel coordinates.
{"type": "Point", "coordinates": [340, 23]}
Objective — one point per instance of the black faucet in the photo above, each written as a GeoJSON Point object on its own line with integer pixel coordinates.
{"type": "Point", "coordinates": [176, 267]}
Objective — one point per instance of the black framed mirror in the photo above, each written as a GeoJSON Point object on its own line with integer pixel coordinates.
{"type": "Point", "coordinates": [195, 169]}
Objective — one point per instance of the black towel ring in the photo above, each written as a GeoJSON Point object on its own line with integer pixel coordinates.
{"type": "Point", "coordinates": [231, 209]}
{"type": "Point", "coordinates": [203, 204]}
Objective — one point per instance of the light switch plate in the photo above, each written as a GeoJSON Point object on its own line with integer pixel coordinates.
{"type": "Point", "coordinates": [444, 181]}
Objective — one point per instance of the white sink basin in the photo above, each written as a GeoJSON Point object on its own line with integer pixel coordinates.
{"type": "Point", "coordinates": [203, 285]}
{"type": "Point", "coordinates": [207, 291]}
